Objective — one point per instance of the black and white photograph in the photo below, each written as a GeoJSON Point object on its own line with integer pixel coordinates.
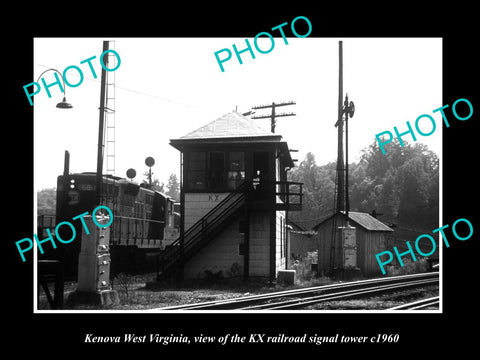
{"type": "Point", "coordinates": [270, 187]}
{"type": "Point", "coordinates": [246, 191]}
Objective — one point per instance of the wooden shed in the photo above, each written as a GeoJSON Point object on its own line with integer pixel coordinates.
{"type": "Point", "coordinates": [371, 238]}
{"type": "Point", "coordinates": [302, 241]}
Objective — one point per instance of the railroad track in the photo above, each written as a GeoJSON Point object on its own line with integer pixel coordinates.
{"type": "Point", "coordinates": [300, 298]}
{"type": "Point", "coordinates": [418, 305]}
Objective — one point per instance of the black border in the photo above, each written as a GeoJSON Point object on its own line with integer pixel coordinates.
{"type": "Point", "coordinates": [420, 335]}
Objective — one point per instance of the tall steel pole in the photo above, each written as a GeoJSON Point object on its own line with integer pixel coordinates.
{"type": "Point", "coordinates": [347, 202]}
{"type": "Point", "coordinates": [101, 122]}
{"type": "Point", "coordinates": [339, 124]}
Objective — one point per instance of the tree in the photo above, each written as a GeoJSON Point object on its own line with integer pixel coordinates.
{"type": "Point", "coordinates": [156, 184]}
{"type": "Point", "coordinates": [411, 184]}
{"type": "Point", "coordinates": [46, 201]}
{"type": "Point", "coordinates": [173, 187]}
{"type": "Point", "coordinates": [403, 185]}
{"type": "Point", "coordinates": [388, 200]}
{"type": "Point", "coordinates": [318, 190]}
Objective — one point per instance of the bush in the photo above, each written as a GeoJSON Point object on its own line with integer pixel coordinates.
{"type": "Point", "coordinates": [304, 273]}
{"type": "Point", "coordinates": [125, 282]}
{"type": "Point", "coordinates": [212, 278]}
{"type": "Point", "coordinates": [409, 267]}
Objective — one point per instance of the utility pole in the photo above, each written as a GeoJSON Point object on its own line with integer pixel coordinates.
{"type": "Point", "coordinates": [273, 116]}
{"type": "Point", "coordinates": [94, 258]}
{"type": "Point", "coordinates": [98, 194]}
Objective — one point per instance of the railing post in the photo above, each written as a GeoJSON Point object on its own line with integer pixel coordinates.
{"type": "Point", "coordinates": [204, 226]}
{"type": "Point", "coordinates": [301, 194]}
{"type": "Point", "coordinates": [287, 186]}
{"type": "Point", "coordinates": [128, 232]}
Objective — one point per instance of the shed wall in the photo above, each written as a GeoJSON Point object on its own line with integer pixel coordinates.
{"type": "Point", "coordinates": [301, 244]}
{"type": "Point", "coordinates": [369, 243]}
{"type": "Point", "coordinates": [324, 239]}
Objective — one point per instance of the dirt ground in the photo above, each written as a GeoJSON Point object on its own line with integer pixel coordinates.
{"type": "Point", "coordinates": [381, 302]}
{"type": "Point", "coordinates": [144, 293]}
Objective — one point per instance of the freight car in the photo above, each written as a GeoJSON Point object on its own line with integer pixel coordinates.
{"type": "Point", "coordinates": [143, 218]}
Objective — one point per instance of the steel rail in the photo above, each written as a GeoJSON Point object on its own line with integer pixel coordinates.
{"type": "Point", "coordinates": [246, 301]}
{"type": "Point", "coordinates": [299, 303]}
{"type": "Point", "coordinates": [417, 305]}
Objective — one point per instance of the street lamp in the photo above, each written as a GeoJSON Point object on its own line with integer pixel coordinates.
{"type": "Point", "coordinates": [64, 104]}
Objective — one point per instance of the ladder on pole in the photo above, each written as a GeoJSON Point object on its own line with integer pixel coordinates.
{"type": "Point", "coordinates": [110, 125]}
{"type": "Point", "coordinates": [110, 113]}
{"type": "Point", "coordinates": [334, 228]}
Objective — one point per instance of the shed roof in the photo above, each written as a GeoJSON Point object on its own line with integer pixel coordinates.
{"type": "Point", "coordinates": [365, 220]}
{"type": "Point", "coordinates": [230, 125]}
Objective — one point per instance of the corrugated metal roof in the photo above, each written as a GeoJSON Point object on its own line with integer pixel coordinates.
{"type": "Point", "coordinates": [365, 220]}
{"type": "Point", "coordinates": [229, 125]}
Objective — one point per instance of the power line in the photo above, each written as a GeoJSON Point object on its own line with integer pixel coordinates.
{"type": "Point", "coordinates": [137, 92]}
{"type": "Point", "coordinates": [273, 115]}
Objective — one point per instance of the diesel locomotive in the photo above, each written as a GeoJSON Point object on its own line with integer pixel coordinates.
{"type": "Point", "coordinates": [143, 221]}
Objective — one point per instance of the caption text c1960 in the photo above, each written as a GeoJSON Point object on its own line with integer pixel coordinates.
{"type": "Point", "coordinates": [259, 338]}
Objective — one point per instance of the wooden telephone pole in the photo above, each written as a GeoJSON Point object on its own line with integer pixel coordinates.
{"type": "Point", "coordinates": [273, 116]}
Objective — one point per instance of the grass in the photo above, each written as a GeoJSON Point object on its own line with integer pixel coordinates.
{"type": "Point", "coordinates": [143, 292]}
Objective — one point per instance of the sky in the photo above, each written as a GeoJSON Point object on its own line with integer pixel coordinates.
{"type": "Point", "coordinates": [167, 87]}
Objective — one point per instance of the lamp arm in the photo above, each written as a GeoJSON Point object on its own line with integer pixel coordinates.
{"type": "Point", "coordinates": [63, 80]}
